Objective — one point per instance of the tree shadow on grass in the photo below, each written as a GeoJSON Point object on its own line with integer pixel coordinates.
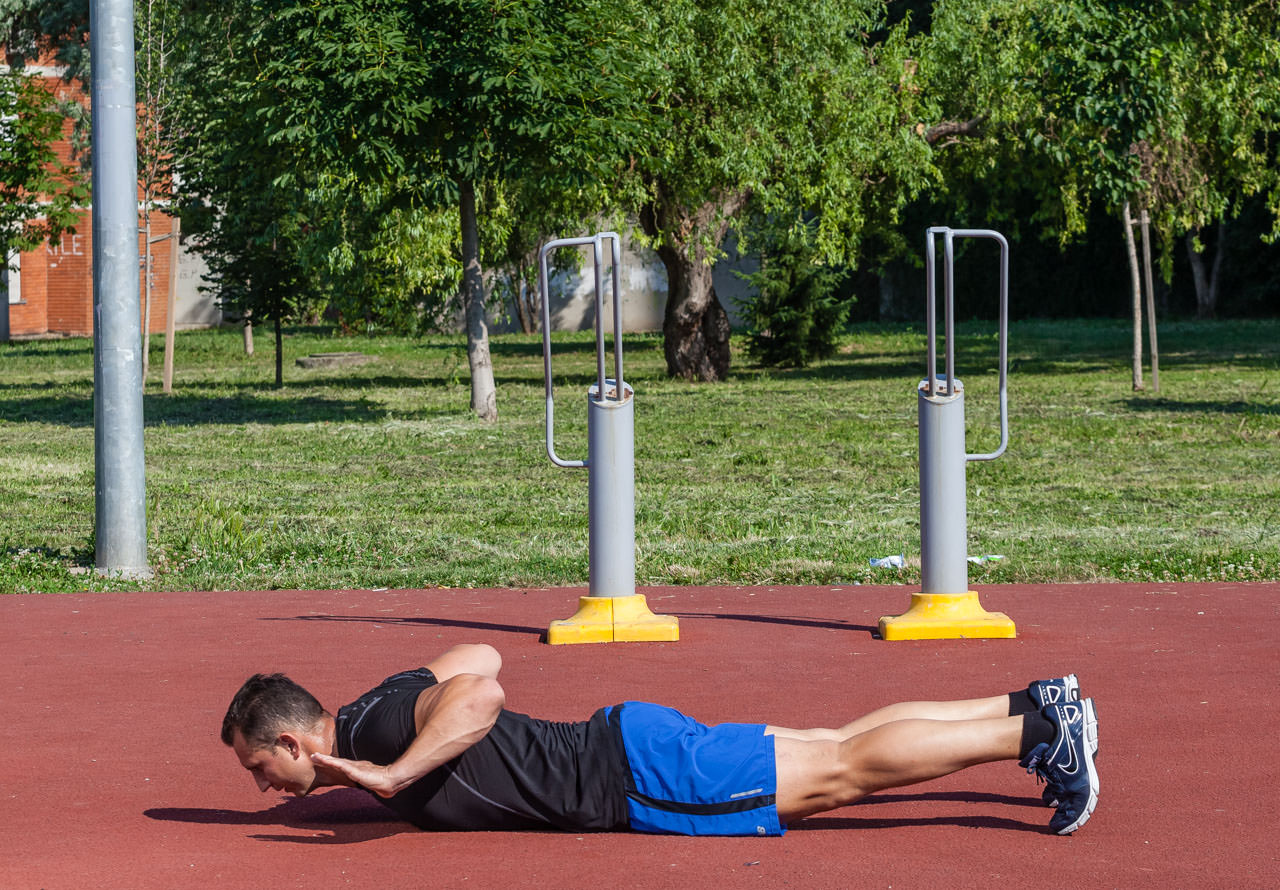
{"type": "Point", "coordinates": [193, 409]}
{"type": "Point", "coordinates": [26, 348]}
{"type": "Point", "coordinates": [1207, 406]}
{"type": "Point", "coordinates": [533, 349]}
{"type": "Point", "coordinates": [340, 816]}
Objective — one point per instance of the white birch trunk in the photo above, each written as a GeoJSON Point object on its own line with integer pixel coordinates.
{"type": "Point", "coordinates": [146, 301]}
{"type": "Point", "coordinates": [1136, 280]}
{"type": "Point", "coordinates": [170, 328]}
{"type": "Point", "coordinates": [1152, 342]}
{"type": "Point", "coordinates": [484, 395]}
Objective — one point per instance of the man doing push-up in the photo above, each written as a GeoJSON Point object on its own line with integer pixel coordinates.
{"type": "Point", "coordinates": [438, 747]}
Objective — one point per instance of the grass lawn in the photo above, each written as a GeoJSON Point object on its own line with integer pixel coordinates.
{"type": "Point", "coordinates": [378, 475]}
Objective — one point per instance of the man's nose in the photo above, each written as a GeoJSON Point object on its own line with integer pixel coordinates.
{"type": "Point", "coordinates": [263, 784]}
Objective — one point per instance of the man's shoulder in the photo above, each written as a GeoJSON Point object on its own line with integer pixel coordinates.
{"type": "Point", "coordinates": [415, 679]}
{"type": "Point", "coordinates": [383, 716]}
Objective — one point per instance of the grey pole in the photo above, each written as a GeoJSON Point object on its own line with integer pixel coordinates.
{"type": "Point", "coordinates": [4, 301]}
{"type": "Point", "coordinates": [120, 516]}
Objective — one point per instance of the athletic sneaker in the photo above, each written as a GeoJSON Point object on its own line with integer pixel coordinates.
{"type": "Point", "coordinates": [1066, 764]}
{"type": "Point", "coordinates": [1052, 692]}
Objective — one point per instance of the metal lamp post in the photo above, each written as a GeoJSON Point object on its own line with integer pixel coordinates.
{"type": "Point", "coordinates": [120, 515]}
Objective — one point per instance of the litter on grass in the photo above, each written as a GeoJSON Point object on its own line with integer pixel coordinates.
{"type": "Point", "coordinates": [889, 562]}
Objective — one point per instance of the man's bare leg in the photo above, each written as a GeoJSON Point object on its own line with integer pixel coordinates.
{"type": "Point", "coordinates": [965, 709]}
{"type": "Point", "coordinates": [817, 775]}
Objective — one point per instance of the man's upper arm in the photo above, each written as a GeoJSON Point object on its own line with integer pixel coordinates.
{"type": "Point", "coordinates": [467, 658]}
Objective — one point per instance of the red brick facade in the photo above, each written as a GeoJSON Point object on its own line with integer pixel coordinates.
{"type": "Point", "coordinates": [54, 283]}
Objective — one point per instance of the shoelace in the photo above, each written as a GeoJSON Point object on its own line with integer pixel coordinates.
{"type": "Point", "coordinates": [1033, 763]}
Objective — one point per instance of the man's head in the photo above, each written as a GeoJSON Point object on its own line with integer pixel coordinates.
{"type": "Point", "coordinates": [274, 726]}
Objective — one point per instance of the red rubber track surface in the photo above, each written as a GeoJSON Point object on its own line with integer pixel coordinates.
{"type": "Point", "coordinates": [113, 775]}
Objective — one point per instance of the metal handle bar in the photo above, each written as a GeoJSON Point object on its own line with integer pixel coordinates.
{"type": "Point", "coordinates": [544, 294]}
{"type": "Point", "coordinates": [931, 384]}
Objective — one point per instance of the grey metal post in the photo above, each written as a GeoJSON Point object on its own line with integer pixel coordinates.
{"type": "Point", "coordinates": [120, 472]}
{"type": "Point", "coordinates": [610, 433]}
{"type": "Point", "coordinates": [4, 300]}
{"type": "Point", "coordinates": [944, 566]}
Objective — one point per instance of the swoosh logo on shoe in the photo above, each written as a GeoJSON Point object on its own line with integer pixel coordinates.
{"type": "Point", "coordinates": [1072, 715]}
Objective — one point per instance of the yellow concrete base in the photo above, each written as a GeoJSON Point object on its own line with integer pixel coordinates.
{"type": "Point", "coordinates": [614, 619]}
{"type": "Point", "coordinates": [946, 616]}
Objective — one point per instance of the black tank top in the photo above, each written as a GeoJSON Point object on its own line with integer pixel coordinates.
{"type": "Point", "coordinates": [524, 774]}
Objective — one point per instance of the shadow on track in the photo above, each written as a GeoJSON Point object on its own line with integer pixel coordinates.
{"type": "Point", "coordinates": [419, 622]}
{"type": "Point", "coordinates": [844, 822]}
{"type": "Point", "coordinates": [341, 816]}
{"type": "Point", "coordinates": [777, 619]}
{"type": "Point", "coordinates": [542, 631]}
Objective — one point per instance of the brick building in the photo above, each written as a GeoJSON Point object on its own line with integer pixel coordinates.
{"type": "Point", "coordinates": [50, 289]}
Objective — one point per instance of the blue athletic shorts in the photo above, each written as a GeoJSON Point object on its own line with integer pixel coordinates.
{"type": "Point", "coordinates": [687, 778]}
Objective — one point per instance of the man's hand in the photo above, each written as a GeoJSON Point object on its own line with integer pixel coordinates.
{"type": "Point", "coordinates": [378, 779]}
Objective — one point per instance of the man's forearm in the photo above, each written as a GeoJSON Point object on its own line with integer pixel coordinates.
{"type": "Point", "coordinates": [459, 715]}
{"type": "Point", "coordinates": [450, 718]}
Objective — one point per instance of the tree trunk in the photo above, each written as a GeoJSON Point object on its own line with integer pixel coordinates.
{"type": "Point", "coordinates": [146, 301]}
{"type": "Point", "coordinates": [166, 374]}
{"type": "Point", "coordinates": [1206, 283]}
{"type": "Point", "coordinates": [695, 327]}
{"type": "Point", "coordinates": [1136, 280]}
{"type": "Point", "coordinates": [1215, 273]}
{"type": "Point", "coordinates": [518, 297]}
{"type": "Point", "coordinates": [528, 299]}
{"type": "Point", "coordinates": [248, 332]}
{"type": "Point", "coordinates": [4, 300]}
{"type": "Point", "coordinates": [484, 396]}
{"type": "Point", "coordinates": [279, 351]}
{"type": "Point", "coordinates": [1199, 276]}
{"type": "Point", "coordinates": [1152, 343]}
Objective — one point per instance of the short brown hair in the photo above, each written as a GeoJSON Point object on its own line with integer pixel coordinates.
{"type": "Point", "coordinates": [266, 705]}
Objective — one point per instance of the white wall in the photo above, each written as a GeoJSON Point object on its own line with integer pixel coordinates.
{"type": "Point", "coordinates": [644, 292]}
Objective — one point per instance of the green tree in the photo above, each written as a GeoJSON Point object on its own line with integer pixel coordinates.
{"type": "Point", "coordinates": [35, 28]}
{"type": "Point", "coordinates": [797, 312]}
{"type": "Point", "coordinates": [246, 209]}
{"type": "Point", "coordinates": [1168, 107]}
{"type": "Point", "coordinates": [162, 56]}
{"type": "Point", "coordinates": [766, 107]}
{"type": "Point", "coordinates": [40, 196]}
{"type": "Point", "coordinates": [434, 100]}
{"type": "Point", "coordinates": [383, 265]}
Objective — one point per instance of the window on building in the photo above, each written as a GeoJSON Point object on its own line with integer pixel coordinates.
{"type": "Point", "coordinates": [12, 277]}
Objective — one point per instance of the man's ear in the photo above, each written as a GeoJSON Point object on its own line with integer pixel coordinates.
{"type": "Point", "coordinates": [291, 744]}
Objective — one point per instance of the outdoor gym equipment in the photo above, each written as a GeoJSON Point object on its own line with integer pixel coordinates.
{"type": "Point", "coordinates": [613, 611]}
{"type": "Point", "coordinates": [946, 608]}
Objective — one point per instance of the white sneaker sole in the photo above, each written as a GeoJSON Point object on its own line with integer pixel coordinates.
{"type": "Point", "coordinates": [1090, 736]}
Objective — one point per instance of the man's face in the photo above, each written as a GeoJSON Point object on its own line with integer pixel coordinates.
{"type": "Point", "coordinates": [285, 766]}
